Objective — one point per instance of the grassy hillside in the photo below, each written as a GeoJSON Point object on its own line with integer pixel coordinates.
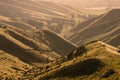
{"type": "Point", "coordinates": [32, 14]}
{"type": "Point", "coordinates": [46, 40]}
{"type": "Point", "coordinates": [39, 41]}
{"type": "Point", "coordinates": [19, 47]}
{"type": "Point", "coordinates": [40, 44]}
{"type": "Point", "coordinates": [105, 27]}
{"type": "Point", "coordinates": [95, 60]}
{"type": "Point", "coordinates": [55, 42]}
{"type": "Point", "coordinates": [11, 66]}
{"type": "Point", "coordinates": [39, 14]}
{"type": "Point", "coordinates": [25, 48]}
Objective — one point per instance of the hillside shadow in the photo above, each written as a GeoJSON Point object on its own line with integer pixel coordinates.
{"type": "Point", "coordinates": [27, 42]}
{"type": "Point", "coordinates": [58, 44]}
{"type": "Point", "coordinates": [19, 52]}
{"type": "Point", "coordinates": [85, 67]}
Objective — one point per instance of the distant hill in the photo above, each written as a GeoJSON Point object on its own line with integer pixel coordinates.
{"type": "Point", "coordinates": [104, 27]}
{"type": "Point", "coordinates": [39, 14]}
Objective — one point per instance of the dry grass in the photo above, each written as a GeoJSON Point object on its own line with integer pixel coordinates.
{"type": "Point", "coordinates": [93, 64]}
{"type": "Point", "coordinates": [105, 27]}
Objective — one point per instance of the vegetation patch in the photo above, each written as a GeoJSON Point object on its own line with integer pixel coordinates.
{"type": "Point", "coordinates": [108, 73]}
{"type": "Point", "coordinates": [82, 68]}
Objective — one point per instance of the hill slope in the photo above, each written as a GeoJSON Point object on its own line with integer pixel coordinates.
{"type": "Point", "coordinates": [41, 43]}
{"type": "Point", "coordinates": [105, 27]}
{"type": "Point", "coordinates": [38, 14]}
{"type": "Point", "coordinates": [11, 66]}
{"type": "Point", "coordinates": [55, 42]}
{"type": "Point", "coordinates": [25, 48]}
{"type": "Point", "coordinates": [95, 60]}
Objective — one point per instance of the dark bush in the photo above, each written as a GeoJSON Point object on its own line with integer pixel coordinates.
{"type": "Point", "coordinates": [108, 73]}
{"type": "Point", "coordinates": [81, 50]}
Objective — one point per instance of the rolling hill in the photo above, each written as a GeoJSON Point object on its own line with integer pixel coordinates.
{"type": "Point", "coordinates": [40, 14]}
{"type": "Point", "coordinates": [104, 27]}
{"type": "Point", "coordinates": [14, 66]}
{"type": "Point", "coordinates": [22, 49]}
{"type": "Point", "coordinates": [42, 40]}
{"type": "Point", "coordinates": [55, 42]}
{"type": "Point", "coordinates": [27, 44]}
{"type": "Point", "coordinates": [94, 60]}
{"type": "Point", "coordinates": [18, 48]}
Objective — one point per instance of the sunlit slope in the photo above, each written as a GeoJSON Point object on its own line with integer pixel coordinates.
{"type": "Point", "coordinates": [95, 60]}
{"type": "Point", "coordinates": [105, 27]}
{"type": "Point", "coordinates": [40, 15]}
{"type": "Point", "coordinates": [11, 66]}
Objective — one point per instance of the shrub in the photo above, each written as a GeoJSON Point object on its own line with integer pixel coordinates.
{"type": "Point", "coordinates": [108, 73]}
{"type": "Point", "coordinates": [81, 50]}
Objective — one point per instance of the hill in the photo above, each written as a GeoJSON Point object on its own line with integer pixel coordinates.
{"type": "Point", "coordinates": [55, 42]}
{"type": "Point", "coordinates": [39, 15]}
{"type": "Point", "coordinates": [11, 66]}
{"type": "Point", "coordinates": [43, 39]}
{"type": "Point", "coordinates": [104, 27]}
{"type": "Point", "coordinates": [40, 44]}
{"type": "Point", "coordinates": [21, 49]}
{"type": "Point", "coordinates": [25, 48]}
{"type": "Point", "coordinates": [95, 60]}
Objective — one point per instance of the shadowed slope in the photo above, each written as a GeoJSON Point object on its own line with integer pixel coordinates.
{"type": "Point", "coordinates": [26, 55]}
{"type": "Point", "coordinates": [55, 42]}
{"type": "Point", "coordinates": [80, 68]}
